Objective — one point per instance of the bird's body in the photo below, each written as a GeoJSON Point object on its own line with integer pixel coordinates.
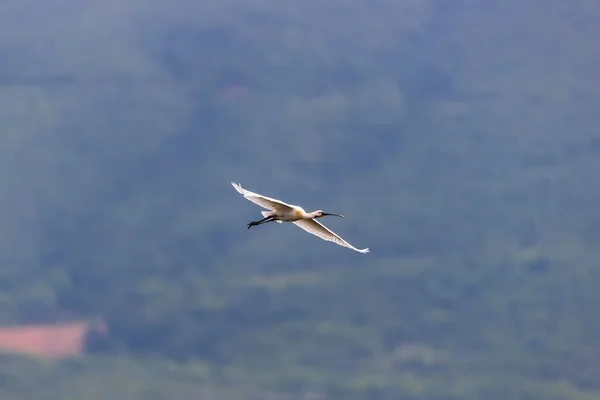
{"type": "Point", "coordinates": [283, 212]}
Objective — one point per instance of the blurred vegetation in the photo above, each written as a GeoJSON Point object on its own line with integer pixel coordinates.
{"type": "Point", "coordinates": [459, 138]}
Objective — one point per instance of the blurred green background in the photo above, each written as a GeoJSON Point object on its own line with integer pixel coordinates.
{"type": "Point", "coordinates": [460, 138]}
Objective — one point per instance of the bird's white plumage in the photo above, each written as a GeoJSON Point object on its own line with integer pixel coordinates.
{"type": "Point", "coordinates": [295, 214]}
{"type": "Point", "coordinates": [263, 201]}
{"type": "Point", "coordinates": [318, 229]}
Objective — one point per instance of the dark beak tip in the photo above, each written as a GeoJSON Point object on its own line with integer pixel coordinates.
{"type": "Point", "coordinates": [337, 215]}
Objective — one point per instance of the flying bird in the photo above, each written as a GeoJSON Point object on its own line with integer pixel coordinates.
{"type": "Point", "coordinates": [280, 211]}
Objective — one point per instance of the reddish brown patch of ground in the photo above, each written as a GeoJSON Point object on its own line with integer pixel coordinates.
{"type": "Point", "coordinates": [47, 341]}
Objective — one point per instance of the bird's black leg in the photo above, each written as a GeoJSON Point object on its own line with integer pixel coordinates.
{"type": "Point", "coordinates": [262, 221]}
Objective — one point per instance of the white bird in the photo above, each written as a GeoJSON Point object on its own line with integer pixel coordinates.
{"type": "Point", "coordinates": [280, 211]}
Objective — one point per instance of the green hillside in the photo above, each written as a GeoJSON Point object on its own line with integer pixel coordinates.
{"type": "Point", "coordinates": [460, 139]}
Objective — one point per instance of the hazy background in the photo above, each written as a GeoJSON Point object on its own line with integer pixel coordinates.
{"type": "Point", "coordinates": [460, 138]}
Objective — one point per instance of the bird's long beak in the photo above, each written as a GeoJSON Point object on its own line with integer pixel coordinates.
{"type": "Point", "coordinates": [337, 215]}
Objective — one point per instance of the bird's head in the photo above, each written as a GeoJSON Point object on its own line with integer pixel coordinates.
{"type": "Point", "coordinates": [320, 214]}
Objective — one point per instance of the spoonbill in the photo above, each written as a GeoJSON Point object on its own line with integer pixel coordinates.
{"type": "Point", "coordinates": [280, 211]}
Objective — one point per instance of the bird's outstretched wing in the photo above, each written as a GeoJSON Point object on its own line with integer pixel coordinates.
{"type": "Point", "coordinates": [263, 201]}
{"type": "Point", "coordinates": [316, 228]}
